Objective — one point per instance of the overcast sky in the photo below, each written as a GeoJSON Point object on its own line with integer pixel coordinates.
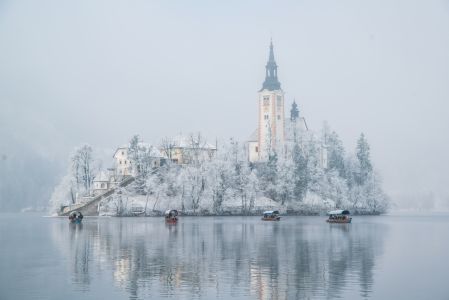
{"type": "Point", "coordinates": [101, 71]}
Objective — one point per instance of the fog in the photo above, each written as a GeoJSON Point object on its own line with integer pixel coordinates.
{"type": "Point", "coordinates": [97, 72]}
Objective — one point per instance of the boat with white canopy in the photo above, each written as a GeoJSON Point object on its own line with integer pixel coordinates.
{"type": "Point", "coordinates": [339, 216]}
{"type": "Point", "coordinates": [271, 215]}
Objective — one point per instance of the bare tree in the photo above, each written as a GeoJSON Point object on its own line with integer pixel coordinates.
{"type": "Point", "coordinates": [82, 167]}
{"type": "Point", "coordinates": [195, 148]}
{"type": "Point", "coordinates": [168, 146]}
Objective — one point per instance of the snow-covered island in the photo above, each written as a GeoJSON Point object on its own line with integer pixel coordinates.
{"type": "Point", "coordinates": [193, 176]}
{"type": "Point", "coordinates": [284, 165]}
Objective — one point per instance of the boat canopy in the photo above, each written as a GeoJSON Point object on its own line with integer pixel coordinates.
{"type": "Point", "coordinates": [171, 213]}
{"type": "Point", "coordinates": [271, 212]}
{"type": "Point", "coordinates": [338, 212]}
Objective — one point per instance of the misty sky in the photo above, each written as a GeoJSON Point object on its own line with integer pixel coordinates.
{"type": "Point", "coordinates": [100, 71]}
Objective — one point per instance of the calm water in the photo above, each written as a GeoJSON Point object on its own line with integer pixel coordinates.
{"type": "Point", "coordinates": [389, 257]}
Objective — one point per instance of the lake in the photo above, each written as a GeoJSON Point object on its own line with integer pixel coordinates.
{"type": "Point", "coordinates": [386, 257]}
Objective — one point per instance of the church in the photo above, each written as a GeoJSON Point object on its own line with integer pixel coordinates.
{"type": "Point", "coordinates": [274, 131]}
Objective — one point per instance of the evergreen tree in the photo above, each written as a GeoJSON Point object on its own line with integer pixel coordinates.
{"type": "Point", "coordinates": [299, 173]}
{"type": "Point", "coordinates": [285, 183]}
{"type": "Point", "coordinates": [363, 156]}
{"type": "Point", "coordinates": [268, 175]}
{"type": "Point", "coordinates": [335, 154]}
{"type": "Point", "coordinates": [314, 169]}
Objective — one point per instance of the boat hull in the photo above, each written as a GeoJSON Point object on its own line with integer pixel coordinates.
{"type": "Point", "coordinates": [340, 221]}
{"type": "Point", "coordinates": [271, 219]}
{"type": "Point", "coordinates": [171, 221]}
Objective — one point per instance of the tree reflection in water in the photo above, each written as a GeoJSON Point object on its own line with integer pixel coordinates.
{"type": "Point", "coordinates": [299, 257]}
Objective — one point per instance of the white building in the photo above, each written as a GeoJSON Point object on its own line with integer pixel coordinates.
{"type": "Point", "coordinates": [102, 183]}
{"type": "Point", "coordinates": [187, 149]}
{"type": "Point", "coordinates": [123, 163]}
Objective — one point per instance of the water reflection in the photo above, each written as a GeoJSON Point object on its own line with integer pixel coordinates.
{"type": "Point", "coordinates": [297, 258]}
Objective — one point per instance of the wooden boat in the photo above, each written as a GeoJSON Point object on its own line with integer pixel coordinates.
{"type": "Point", "coordinates": [271, 215]}
{"type": "Point", "coordinates": [75, 217]}
{"type": "Point", "coordinates": [171, 216]}
{"type": "Point", "coordinates": [339, 216]}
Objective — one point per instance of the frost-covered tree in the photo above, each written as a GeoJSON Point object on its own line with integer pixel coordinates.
{"type": "Point", "coordinates": [268, 172]}
{"type": "Point", "coordinates": [78, 179]}
{"type": "Point", "coordinates": [119, 201]}
{"type": "Point", "coordinates": [142, 159]}
{"type": "Point", "coordinates": [300, 178]}
{"type": "Point", "coordinates": [193, 152]}
{"type": "Point", "coordinates": [168, 145]}
{"type": "Point", "coordinates": [285, 188]}
{"type": "Point", "coordinates": [83, 167]}
{"type": "Point", "coordinates": [63, 194]}
{"type": "Point", "coordinates": [375, 200]}
{"type": "Point", "coordinates": [335, 189]}
{"type": "Point", "coordinates": [243, 178]}
{"type": "Point", "coordinates": [314, 168]}
{"type": "Point", "coordinates": [335, 154]}
{"type": "Point", "coordinates": [219, 182]}
{"type": "Point", "coordinates": [352, 170]}
{"type": "Point", "coordinates": [363, 156]}
{"type": "Point", "coordinates": [194, 185]}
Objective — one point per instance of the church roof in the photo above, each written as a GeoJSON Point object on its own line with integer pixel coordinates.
{"type": "Point", "coordinates": [154, 152]}
{"type": "Point", "coordinates": [101, 177]}
{"type": "Point", "coordinates": [187, 142]}
{"type": "Point", "coordinates": [271, 82]}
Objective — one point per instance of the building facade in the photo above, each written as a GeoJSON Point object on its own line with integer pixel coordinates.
{"type": "Point", "coordinates": [184, 150]}
{"type": "Point", "coordinates": [123, 163]}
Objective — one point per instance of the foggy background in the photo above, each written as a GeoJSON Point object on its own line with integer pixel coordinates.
{"type": "Point", "coordinates": [97, 72]}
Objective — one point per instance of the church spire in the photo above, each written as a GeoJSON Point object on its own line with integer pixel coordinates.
{"type": "Point", "coordinates": [271, 57]}
{"type": "Point", "coordinates": [271, 82]}
{"type": "Point", "coordinates": [294, 111]}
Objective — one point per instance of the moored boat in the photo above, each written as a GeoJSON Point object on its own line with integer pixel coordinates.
{"type": "Point", "coordinates": [339, 216]}
{"type": "Point", "coordinates": [271, 215]}
{"type": "Point", "coordinates": [75, 217]}
{"type": "Point", "coordinates": [171, 216]}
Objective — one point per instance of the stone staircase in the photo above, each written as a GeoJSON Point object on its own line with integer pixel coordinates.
{"type": "Point", "coordinates": [90, 208]}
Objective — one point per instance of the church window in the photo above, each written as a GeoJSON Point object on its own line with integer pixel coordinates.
{"type": "Point", "coordinates": [257, 149]}
{"type": "Point", "coordinates": [279, 100]}
{"type": "Point", "coordinates": [266, 100]}
{"type": "Point", "coordinates": [265, 117]}
{"type": "Point", "coordinates": [120, 162]}
{"type": "Point", "coordinates": [123, 153]}
{"type": "Point", "coordinates": [279, 117]}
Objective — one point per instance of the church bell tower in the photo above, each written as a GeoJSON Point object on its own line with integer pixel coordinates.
{"type": "Point", "coordinates": [271, 133]}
